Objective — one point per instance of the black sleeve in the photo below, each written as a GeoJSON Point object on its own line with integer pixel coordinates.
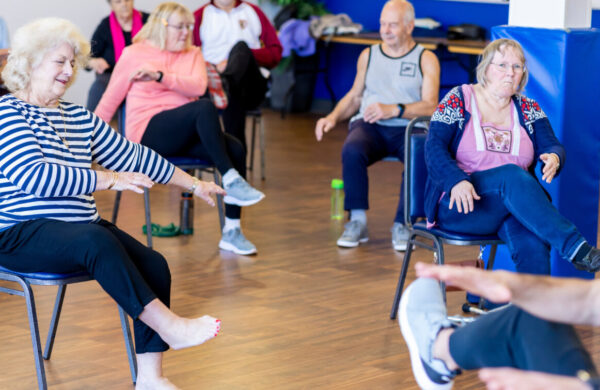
{"type": "Point", "coordinates": [101, 43]}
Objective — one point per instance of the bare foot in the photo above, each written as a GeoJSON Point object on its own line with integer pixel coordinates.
{"type": "Point", "coordinates": [157, 383]}
{"type": "Point", "coordinates": [186, 332]}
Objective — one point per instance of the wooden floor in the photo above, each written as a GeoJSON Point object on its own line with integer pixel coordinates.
{"type": "Point", "coordinates": [302, 314]}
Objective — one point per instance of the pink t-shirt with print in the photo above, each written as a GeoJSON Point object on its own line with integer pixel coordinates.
{"type": "Point", "coordinates": [485, 145]}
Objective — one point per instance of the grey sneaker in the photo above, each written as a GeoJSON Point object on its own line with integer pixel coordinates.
{"type": "Point", "coordinates": [233, 240]}
{"type": "Point", "coordinates": [400, 236]}
{"type": "Point", "coordinates": [422, 316]}
{"type": "Point", "coordinates": [240, 193]}
{"type": "Point", "coordinates": [354, 233]}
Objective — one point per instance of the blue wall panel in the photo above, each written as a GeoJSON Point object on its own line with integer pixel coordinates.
{"type": "Point", "coordinates": [557, 60]}
{"type": "Point", "coordinates": [343, 59]}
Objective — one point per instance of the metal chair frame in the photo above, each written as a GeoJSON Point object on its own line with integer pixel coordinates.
{"type": "Point", "coordinates": [419, 229]}
{"type": "Point", "coordinates": [26, 280]}
{"type": "Point", "coordinates": [184, 163]}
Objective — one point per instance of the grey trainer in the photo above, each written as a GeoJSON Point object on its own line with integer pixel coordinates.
{"type": "Point", "coordinates": [354, 233]}
{"type": "Point", "coordinates": [233, 240]}
{"type": "Point", "coordinates": [240, 193]}
{"type": "Point", "coordinates": [400, 236]}
{"type": "Point", "coordinates": [422, 316]}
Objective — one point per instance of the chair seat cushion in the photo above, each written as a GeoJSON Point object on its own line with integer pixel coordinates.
{"type": "Point", "coordinates": [43, 275]}
{"type": "Point", "coordinates": [189, 161]}
{"type": "Point", "coordinates": [448, 235]}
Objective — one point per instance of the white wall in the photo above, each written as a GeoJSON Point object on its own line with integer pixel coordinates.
{"type": "Point", "coordinates": [86, 14]}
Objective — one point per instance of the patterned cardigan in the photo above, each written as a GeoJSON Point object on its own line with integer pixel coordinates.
{"type": "Point", "coordinates": [446, 130]}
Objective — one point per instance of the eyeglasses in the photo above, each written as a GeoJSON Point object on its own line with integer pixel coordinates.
{"type": "Point", "coordinates": [180, 27]}
{"type": "Point", "coordinates": [503, 66]}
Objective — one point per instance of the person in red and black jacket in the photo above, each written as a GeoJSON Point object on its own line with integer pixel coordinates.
{"type": "Point", "coordinates": [237, 38]}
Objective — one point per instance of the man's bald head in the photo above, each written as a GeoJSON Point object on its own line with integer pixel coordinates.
{"type": "Point", "coordinates": [403, 8]}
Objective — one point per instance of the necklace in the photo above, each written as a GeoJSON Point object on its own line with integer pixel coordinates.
{"type": "Point", "coordinates": [63, 137]}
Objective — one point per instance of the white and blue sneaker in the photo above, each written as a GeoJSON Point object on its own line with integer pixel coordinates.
{"type": "Point", "coordinates": [400, 236]}
{"type": "Point", "coordinates": [354, 233]}
{"type": "Point", "coordinates": [422, 316]}
{"type": "Point", "coordinates": [233, 240]}
{"type": "Point", "coordinates": [240, 193]}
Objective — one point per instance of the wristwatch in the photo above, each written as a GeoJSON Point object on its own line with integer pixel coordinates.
{"type": "Point", "coordinates": [401, 107]}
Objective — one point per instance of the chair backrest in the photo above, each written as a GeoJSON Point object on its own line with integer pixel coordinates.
{"type": "Point", "coordinates": [121, 119]}
{"type": "Point", "coordinates": [415, 170]}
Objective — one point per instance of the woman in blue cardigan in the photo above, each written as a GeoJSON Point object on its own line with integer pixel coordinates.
{"type": "Point", "coordinates": [484, 143]}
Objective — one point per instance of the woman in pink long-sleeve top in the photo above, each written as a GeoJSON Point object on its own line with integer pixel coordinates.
{"type": "Point", "coordinates": [162, 75]}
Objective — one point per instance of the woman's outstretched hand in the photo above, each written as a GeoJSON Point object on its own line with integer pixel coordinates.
{"type": "Point", "coordinates": [205, 190]}
{"type": "Point", "coordinates": [132, 181]}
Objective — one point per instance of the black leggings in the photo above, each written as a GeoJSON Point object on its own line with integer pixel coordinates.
{"type": "Point", "coordinates": [246, 88]}
{"type": "Point", "coordinates": [131, 273]}
{"type": "Point", "coordinates": [511, 337]}
{"type": "Point", "coordinates": [194, 130]}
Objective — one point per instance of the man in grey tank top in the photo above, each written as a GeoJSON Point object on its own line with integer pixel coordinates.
{"type": "Point", "coordinates": [395, 81]}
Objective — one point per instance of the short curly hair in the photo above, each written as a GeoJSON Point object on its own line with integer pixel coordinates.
{"type": "Point", "coordinates": [33, 41]}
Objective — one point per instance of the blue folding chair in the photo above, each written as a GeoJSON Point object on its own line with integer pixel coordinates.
{"type": "Point", "coordinates": [26, 280]}
{"type": "Point", "coordinates": [415, 174]}
{"type": "Point", "coordinates": [184, 163]}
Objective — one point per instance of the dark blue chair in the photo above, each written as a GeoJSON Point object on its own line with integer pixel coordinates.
{"type": "Point", "coordinates": [184, 163]}
{"type": "Point", "coordinates": [26, 280]}
{"type": "Point", "coordinates": [415, 174]}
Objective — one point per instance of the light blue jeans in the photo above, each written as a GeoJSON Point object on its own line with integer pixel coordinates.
{"type": "Point", "coordinates": [514, 205]}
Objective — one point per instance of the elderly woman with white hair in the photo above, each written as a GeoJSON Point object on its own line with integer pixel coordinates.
{"type": "Point", "coordinates": [162, 75]}
{"type": "Point", "coordinates": [484, 143]}
{"type": "Point", "coordinates": [48, 217]}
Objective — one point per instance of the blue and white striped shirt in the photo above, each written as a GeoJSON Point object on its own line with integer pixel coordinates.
{"type": "Point", "coordinates": [46, 157]}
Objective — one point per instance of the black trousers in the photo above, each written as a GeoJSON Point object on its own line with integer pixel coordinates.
{"type": "Point", "coordinates": [97, 90]}
{"type": "Point", "coordinates": [511, 337]}
{"type": "Point", "coordinates": [194, 130]}
{"type": "Point", "coordinates": [131, 273]}
{"type": "Point", "coordinates": [246, 88]}
{"type": "Point", "coordinates": [366, 144]}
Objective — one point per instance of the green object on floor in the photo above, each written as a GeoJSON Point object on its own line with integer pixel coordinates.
{"type": "Point", "coordinates": [169, 230]}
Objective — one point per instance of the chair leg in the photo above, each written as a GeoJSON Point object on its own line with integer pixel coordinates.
{"type": "Point", "coordinates": [492, 257]}
{"type": "Point", "coordinates": [402, 278]}
{"type": "Point", "coordinates": [148, 219]}
{"type": "Point", "coordinates": [60, 297]}
{"type": "Point", "coordinates": [261, 139]}
{"type": "Point", "coordinates": [490, 266]}
{"type": "Point", "coordinates": [252, 143]}
{"type": "Point", "coordinates": [35, 336]}
{"type": "Point", "coordinates": [115, 212]}
{"type": "Point", "coordinates": [440, 260]}
{"type": "Point", "coordinates": [128, 344]}
{"type": "Point", "coordinates": [220, 206]}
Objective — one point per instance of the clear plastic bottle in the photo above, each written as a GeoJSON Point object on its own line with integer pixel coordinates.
{"type": "Point", "coordinates": [186, 213]}
{"type": "Point", "coordinates": [337, 199]}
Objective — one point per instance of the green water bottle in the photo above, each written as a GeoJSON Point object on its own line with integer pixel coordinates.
{"type": "Point", "coordinates": [337, 199]}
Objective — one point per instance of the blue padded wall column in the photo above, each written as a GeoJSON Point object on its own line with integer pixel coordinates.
{"type": "Point", "coordinates": [564, 78]}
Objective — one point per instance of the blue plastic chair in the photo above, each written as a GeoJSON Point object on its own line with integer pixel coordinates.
{"type": "Point", "coordinates": [26, 280]}
{"type": "Point", "coordinates": [415, 174]}
{"type": "Point", "coordinates": [184, 163]}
